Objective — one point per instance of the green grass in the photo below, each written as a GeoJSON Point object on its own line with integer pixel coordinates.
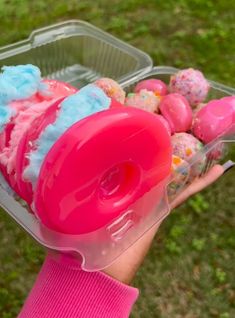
{"type": "Point", "coordinates": [189, 271]}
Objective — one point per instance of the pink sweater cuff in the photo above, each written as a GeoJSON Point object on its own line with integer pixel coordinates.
{"type": "Point", "coordinates": [62, 291]}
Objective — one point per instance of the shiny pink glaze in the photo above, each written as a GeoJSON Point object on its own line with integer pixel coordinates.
{"type": "Point", "coordinates": [115, 104]}
{"type": "Point", "coordinates": [231, 101]}
{"type": "Point", "coordinates": [177, 111]}
{"type": "Point", "coordinates": [76, 194]}
{"type": "Point", "coordinates": [165, 123]}
{"type": "Point", "coordinates": [156, 86]}
{"type": "Point", "coordinates": [213, 119]}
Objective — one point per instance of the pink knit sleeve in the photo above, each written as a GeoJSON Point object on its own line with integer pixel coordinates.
{"type": "Point", "coordinates": [63, 291]}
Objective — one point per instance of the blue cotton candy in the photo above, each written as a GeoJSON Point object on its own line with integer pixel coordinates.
{"type": "Point", "coordinates": [17, 82]}
{"type": "Point", "coordinates": [89, 100]}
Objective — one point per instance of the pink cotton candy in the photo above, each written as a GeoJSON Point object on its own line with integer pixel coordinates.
{"type": "Point", "coordinates": [22, 104]}
{"type": "Point", "coordinates": [21, 123]}
{"type": "Point", "coordinates": [156, 86]}
{"type": "Point", "coordinates": [26, 110]}
{"type": "Point", "coordinates": [177, 111]}
{"type": "Point", "coordinates": [213, 120]}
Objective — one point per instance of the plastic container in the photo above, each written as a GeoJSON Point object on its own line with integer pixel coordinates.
{"type": "Point", "coordinates": [99, 248]}
{"type": "Point", "coordinates": [78, 53]}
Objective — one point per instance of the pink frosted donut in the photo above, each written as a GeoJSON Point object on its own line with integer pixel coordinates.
{"type": "Point", "coordinates": [111, 88]}
{"type": "Point", "coordinates": [185, 145]}
{"type": "Point", "coordinates": [145, 100]}
{"type": "Point", "coordinates": [177, 111]}
{"type": "Point", "coordinates": [156, 86]}
{"type": "Point", "coordinates": [191, 84]}
{"type": "Point", "coordinates": [213, 120]}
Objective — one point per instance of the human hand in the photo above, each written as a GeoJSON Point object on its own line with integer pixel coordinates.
{"type": "Point", "coordinates": [126, 266]}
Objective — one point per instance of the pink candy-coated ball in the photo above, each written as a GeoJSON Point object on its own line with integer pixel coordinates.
{"type": "Point", "coordinates": [231, 101]}
{"type": "Point", "coordinates": [185, 145]}
{"type": "Point", "coordinates": [111, 88]}
{"type": "Point", "coordinates": [213, 120]}
{"type": "Point", "coordinates": [156, 86]}
{"type": "Point", "coordinates": [165, 123]}
{"type": "Point", "coordinates": [145, 100]}
{"type": "Point", "coordinates": [177, 111]}
{"type": "Point", "coordinates": [191, 84]}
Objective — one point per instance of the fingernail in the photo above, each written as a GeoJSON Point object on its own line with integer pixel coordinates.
{"type": "Point", "coordinates": [228, 165]}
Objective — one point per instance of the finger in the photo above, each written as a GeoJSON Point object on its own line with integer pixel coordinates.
{"type": "Point", "coordinates": [199, 184]}
{"type": "Point", "coordinates": [213, 174]}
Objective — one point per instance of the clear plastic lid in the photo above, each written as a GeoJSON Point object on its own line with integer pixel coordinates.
{"type": "Point", "coordinates": [78, 53]}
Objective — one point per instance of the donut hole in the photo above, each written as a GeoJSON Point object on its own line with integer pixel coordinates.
{"type": "Point", "coordinates": [120, 182]}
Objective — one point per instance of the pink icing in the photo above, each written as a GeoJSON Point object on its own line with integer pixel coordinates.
{"type": "Point", "coordinates": [25, 103]}
{"type": "Point", "coordinates": [69, 206]}
{"type": "Point", "coordinates": [156, 86]}
{"type": "Point", "coordinates": [177, 111]}
{"type": "Point", "coordinates": [213, 120]}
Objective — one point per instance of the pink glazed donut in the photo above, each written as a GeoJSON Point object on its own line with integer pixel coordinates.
{"type": "Point", "coordinates": [76, 194]}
